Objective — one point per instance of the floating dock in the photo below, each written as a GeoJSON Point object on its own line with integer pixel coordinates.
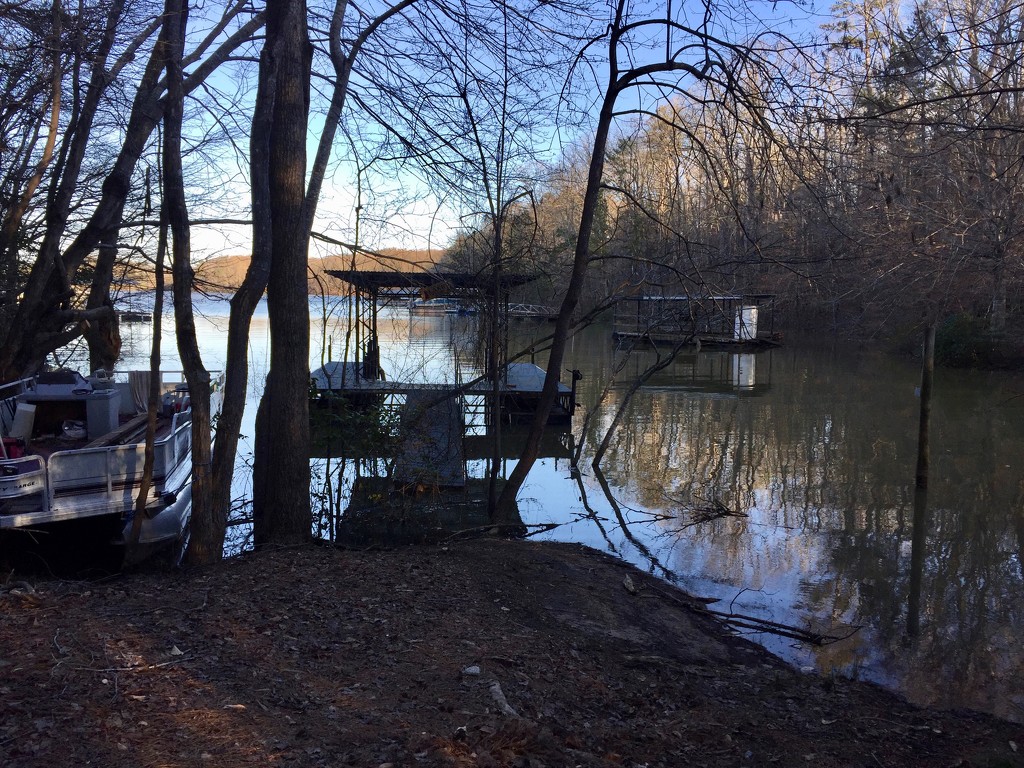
{"type": "Point", "coordinates": [707, 320]}
{"type": "Point", "coordinates": [520, 389]}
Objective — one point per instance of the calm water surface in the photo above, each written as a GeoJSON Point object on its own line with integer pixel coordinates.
{"type": "Point", "coordinates": [814, 447]}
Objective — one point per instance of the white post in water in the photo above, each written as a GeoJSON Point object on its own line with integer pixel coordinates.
{"type": "Point", "coordinates": [746, 324]}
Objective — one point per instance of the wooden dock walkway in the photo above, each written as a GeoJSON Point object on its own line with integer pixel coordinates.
{"type": "Point", "coordinates": [431, 453]}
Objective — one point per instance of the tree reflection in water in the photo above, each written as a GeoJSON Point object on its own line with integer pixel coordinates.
{"type": "Point", "coordinates": [816, 447]}
{"type": "Point", "coordinates": [822, 464]}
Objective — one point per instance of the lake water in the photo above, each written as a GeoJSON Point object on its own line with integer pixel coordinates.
{"type": "Point", "coordinates": [812, 448]}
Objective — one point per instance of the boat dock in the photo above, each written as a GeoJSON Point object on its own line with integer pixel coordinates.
{"type": "Point", "coordinates": [519, 388]}
{"type": "Point", "coordinates": [430, 451]}
{"type": "Point", "coordinates": [704, 319]}
{"type": "Point", "coordinates": [432, 438]}
{"type": "Point", "coordinates": [532, 311]}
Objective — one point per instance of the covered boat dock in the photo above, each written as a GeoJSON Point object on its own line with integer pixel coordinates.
{"type": "Point", "coordinates": [433, 416]}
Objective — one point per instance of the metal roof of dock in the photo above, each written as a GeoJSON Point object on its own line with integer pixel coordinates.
{"type": "Point", "coordinates": [440, 283]}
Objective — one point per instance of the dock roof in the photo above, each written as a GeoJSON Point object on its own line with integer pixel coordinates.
{"type": "Point", "coordinates": [441, 283]}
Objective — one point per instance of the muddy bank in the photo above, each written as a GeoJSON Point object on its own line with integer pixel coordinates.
{"type": "Point", "coordinates": [482, 653]}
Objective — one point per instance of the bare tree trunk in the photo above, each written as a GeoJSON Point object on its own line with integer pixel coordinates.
{"type": "Point", "coordinates": [281, 507]}
{"type": "Point", "coordinates": [153, 395]}
{"type": "Point", "coordinates": [104, 335]}
{"type": "Point", "coordinates": [198, 378]}
{"type": "Point", "coordinates": [506, 507]}
{"type": "Point", "coordinates": [269, 118]}
{"type": "Point", "coordinates": [619, 80]}
{"type": "Point", "coordinates": [920, 526]}
{"type": "Point", "coordinates": [243, 304]}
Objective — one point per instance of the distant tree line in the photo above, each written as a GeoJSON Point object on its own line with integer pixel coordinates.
{"type": "Point", "coordinates": [873, 178]}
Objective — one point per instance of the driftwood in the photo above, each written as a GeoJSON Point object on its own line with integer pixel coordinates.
{"type": "Point", "coordinates": [499, 696]}
{"type": "Point", "coordinates": [743, 621]}
{"type": "Point", "coordinates": [716, 510]}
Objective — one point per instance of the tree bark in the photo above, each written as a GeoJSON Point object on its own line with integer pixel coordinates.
{"type": "Point", "coordinates": [198, 378]}
{"type": "Point", "coordinates": [104, 335]}
{"type": "Point", "coordinates": [267, 126]}
{"type": "Point", "coordinates": [243, 304]}
{"type": "Point", "coordinates": [281, 506]}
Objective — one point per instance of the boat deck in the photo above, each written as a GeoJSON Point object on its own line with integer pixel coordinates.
{"type": "Point", "coordinates": [132, 429]}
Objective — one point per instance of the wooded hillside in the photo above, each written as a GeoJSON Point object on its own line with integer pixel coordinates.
{"type": "Point", "coordinates": [225, 273]}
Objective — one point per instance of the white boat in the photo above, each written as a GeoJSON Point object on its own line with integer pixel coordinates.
{"type": "Point", "coordinates": [434, 307]}
{"type": "Point", "coordinates": [74, 448]}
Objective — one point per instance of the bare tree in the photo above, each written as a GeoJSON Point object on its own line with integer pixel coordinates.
{"type": "Point", "coordinates": [284, 207]}
{"type": "Point", "coordinates": [695, 59]}
{"type": "Point", "coordinates": [49, 312]}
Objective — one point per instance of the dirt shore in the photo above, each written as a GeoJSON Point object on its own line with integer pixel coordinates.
{"type": "Point", "coordinates": [483, 653]}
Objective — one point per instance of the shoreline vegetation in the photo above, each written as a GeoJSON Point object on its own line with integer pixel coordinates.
{"type": "Point", "coordinates": [477, 653]}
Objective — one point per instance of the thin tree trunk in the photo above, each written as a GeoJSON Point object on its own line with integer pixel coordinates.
{"type": "Point", "coordinates": [104, 335]}
{"type": "Point", "coordinates": [270, 117]}
{"type": "Point", "coordinates": [920, 525]}
{"type": "Point", "coordinates": [243, 304]}
{"type": "Point", "coordinates": [506, 507]}
{"type": "Point", "coordinates": [153, 396]}
{"type": "Point", "coordinates": [198, 378]}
